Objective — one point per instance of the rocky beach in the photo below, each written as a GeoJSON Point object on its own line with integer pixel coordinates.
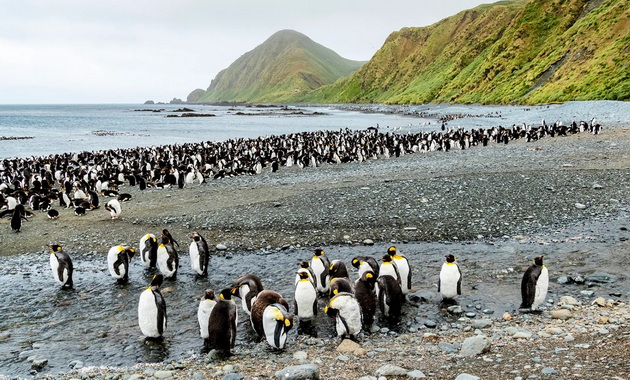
{"type": "Point", "coordinates": [494, 207]}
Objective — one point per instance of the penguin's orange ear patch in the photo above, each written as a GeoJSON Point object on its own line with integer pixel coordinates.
{"type": "Point", "coordinates": [287, 322]}
{"type": "Point", "coordinates": [58, 248]}
{"type": "Point", "coordinates": [368, 275]}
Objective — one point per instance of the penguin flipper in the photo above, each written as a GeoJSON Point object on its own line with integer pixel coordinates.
{"type": "Point", "coordinates": [161, 311]}
{"type": "Point", "coordinates": [119, 260]}
{"type": "Point", "coordinates": [232, 318]}
{"type": "Point", "coordinates": [439, 284]}
{"type": "Point", "coordinates": [315, 307]}
{"type": "Point", "coordinates": [409, 276]}
{"type": "Point", "coordinates": [459, 286]}
{"type": "Point", "coordinates": [295, 306]}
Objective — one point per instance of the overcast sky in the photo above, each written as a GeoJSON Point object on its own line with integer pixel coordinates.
{"type": "Point", "coordinates": [129, 51]}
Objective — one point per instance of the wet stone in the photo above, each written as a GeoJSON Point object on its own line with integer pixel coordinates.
{"type": "Point", "coordinates": [299, 372]}
{"type": "Point", "coordinates": [430, 324]}
{"type": "Point", "coordinates": [391, 370]}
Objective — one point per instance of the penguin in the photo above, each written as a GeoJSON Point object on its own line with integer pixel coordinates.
{"type": "Point", "coordinates": [207, 303]}
{"type": "Point", "coordinates": [264, 299]}
{"type": "Point", "coordinates": [534, 285]}
{"type": "Point", "coordinates": [337, 269]}
{"type": "Point", "coordinates": [365, 264]}
{"type": "Point", "coordinates": [345, 310]}
{"type": "Point", "coordinates": [222, 324]}
{"type": "Point", "coordinates": [61, 265]}
{"type": "Point", "coordinates": [113, 206]}
{"type": "Point", "coordinates": [118, 259]}
{"type": "Point", "coordinates": [167, 259]}
{"type": "Point", "coordinates": [166, 233]}
{"type": "Point", "coordinates": [321, 264]}
{"type": "Point", "coordinates": [148, 250]}
{"type": "Point", "coordinates": [404, 269]}
{"type": "Point", "coordinates": [152, 310]}
{"type": "Point", "coordinates": [199, 254]}
{"type": "Point", "coordinates": [247, 288]}
{"type": "Point", "coordinates": [277, 322]}
{"type": "Point", "coordinates": [305, 267]}
{"type": "Point", "coordinates": [340, 285]}
{"type": "Point", "coordinates": [450, 281]}
{"type": "Point", "coordinates": [390, 298]}
{"type": "Point", "coordinates": [389, 268]}
{"type": "Point", "coordinates": [305, 298]}
{"type": "Point", "coordinates": [53, 214]}
{"type": "Point", "coordinates": [19, 213]}
{"type": "Point", "coordinates": [365, 293]}
{"type": "Point", "coordinates": [79, 211]}
{"type": "Point", "coordinates": [125, 197]}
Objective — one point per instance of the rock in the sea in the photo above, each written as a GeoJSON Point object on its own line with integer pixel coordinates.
{"type": "Point", "coordinates": [39, 364]}
{"type": "Point", "coordinates": [465, 376]}
{"type": "Point", "coordinates": [561, 314]}
{"type": "Point", "coordinates": [391, 370]}
{"type": "Point", "coordinates": [475, 345]}
{"type": "Point", "coordinates": [299, 372]}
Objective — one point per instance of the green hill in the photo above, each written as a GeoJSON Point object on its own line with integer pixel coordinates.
{"type": "Point", "coordinates": [516, 51]}
{"type": "Point", "coordinates": [288, 62]}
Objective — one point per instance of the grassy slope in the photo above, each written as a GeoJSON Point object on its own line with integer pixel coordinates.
{"type": "Point", "coordinates": [500, 53]}
{"type": "Point", "coordinates": [271, 72]}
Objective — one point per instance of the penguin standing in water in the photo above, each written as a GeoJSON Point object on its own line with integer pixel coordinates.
{"type": "Point", "coordinates": [321, 265]}
{"type": "Point", "coordinates": [450, 282]}
{"type": "Point", "coordinates": [167, 258]}
{"type": "Point", "coordinates": [404, 269]}
{"type": "Point", "coordinates": [305, 267]}
{"type": "Point", "coordinates": [534, 285]}
{"type": "Point", "coordinates": [61, 266]}
{"type": "Point", "coordinates": [114, 208]}
{"type": "Point", "coordinates": [365, 264]}
{"type": "Point", "coordinates": [19, 213]}
{"type": "Point", "coordinates": [199, 254]}
{"type": "Point", "coordinates": [148, 251]}
{"type": "Point", "coordinates": [271, 319]}
{"type": "Point", "coordinates": [305, 298]}
{"type": "Point", "coordinates": [222, 323]}
{"type": "Point", "coordinates": [118, 259]}
{"type": "Point", "coordinates": [247, 288]}
{"type": "Point", "coordinates": [389, 268]}
{"type": "Point", "coordinates": [207, 303]}
{"type": "Point", "coordinates": [365, 293]}
{"type": "Point", "coordinates": [152, 310]}
{"type": "Point", "coordinates": [341, 285]}
{"type": "Point", "coordinates": [345, 310]}
{"type": "Point", "coordinates": [390, 298]}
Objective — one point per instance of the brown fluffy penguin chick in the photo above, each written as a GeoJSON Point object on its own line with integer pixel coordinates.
{"type": "Point", "coordinates": [264, 299]}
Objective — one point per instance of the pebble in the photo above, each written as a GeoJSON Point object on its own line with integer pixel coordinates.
{"type": "Point", "coordinates": [430, 324]}
{"type": "Point", "coordinates": [580, 206]}
{"type": "Point", "coordinates": [587, 293]}
{"type": "Point", "coordinates": [568, 300]}
{"type": "Point", "coordinates": [549, 371]}
{"type": "Point", "coordinates": [163, 374]}
{"type": "Point", "coordinates": [299, 372]}
{"type": "Point", "coordinates": [599, 301]}
{"type": "Point", "coordinates": [563, 314]}
{"type": "Point", "coordinates": [475, 345]}
{"type": "Point", "coordinates": [232, 376]}
{"type": "Point", "coordinates": [446, 347]}
{"type": "Point", "coordinates": [221, 247]}
{"type": "Point", "coordinates": [470, 314]}
{"type": "Point", "coordinates": [465, 376]}
{"type": "Point", "coordinates": [481, 323]}
{"type": "Point", "coordinates": [343, 358]}
{"type": "Point", "coordinates": [39, 364]}
{"type": "Point", "coordinates": [455, 309]}
{"type": "Point", "coordinates": [302, 355]}
{"type": "Point", "coordinates": [416, 374]}
{"type": "Point", "coordinates": [391, 370]}
{"type": "Point", "coordinates": [522, 335]}
{"type": "Point", "coordinates": [368, 242]}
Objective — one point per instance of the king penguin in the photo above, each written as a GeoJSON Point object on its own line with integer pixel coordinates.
{"type": "Point", "coordinates": [390, 298]}
{"type": "Point", "coordinates": [404, 269]}
{"type": "Point", "coordinates": [365, 264]}
{"type": "Point", "coordinates": [534, 285]}
{"type": "Point", "coordinates": [270, 318]}
{"type": "Point", "coordinates": [450, 282]}
{"type": "Point", "coordinates": [222, 323]}
{"type": "Point", "coordinates": [61, 266]}
{"type": "Point", "coordinates": [207, 303]}
{"type": "Point", "coordinates": [152, 310]}
{"type": "Point", "coordinates": [306, 267]}
{"type": "Point", "coordinates": [305, 298]}
{"type": "Point", "coordinates": [345, 310]}
{"type": "Point", "coordinates": [247, 288]}
{"type": "Point", "coordinates": [114, 208]}
{"type": "Point", "coordinates": [148, 251]}
{"type": "Point", "coordinates": [199, 254]}
{"type": "Point", "coordinates": [365, 293]}
{"type": "Point", "coordinates": [118, 259]}
{"type": "Point", "coordinates": [167, 258]}
{"type": "Point", "coordinates": [321, 264]}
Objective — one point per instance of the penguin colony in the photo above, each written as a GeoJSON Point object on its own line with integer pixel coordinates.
{"type": "Point", "coordinates": [76, 180]}
{"type": "Point", "coordinates": [82, 177]}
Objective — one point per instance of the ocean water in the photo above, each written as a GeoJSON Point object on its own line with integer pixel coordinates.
{"type": "Point", "coordinates": [51, 129]}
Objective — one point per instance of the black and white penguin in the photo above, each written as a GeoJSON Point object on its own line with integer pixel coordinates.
{"type": "Point", "coordinates": [53, 214]}
{"type": "Point", "coordinates": [199, 254]}
{"type": "Point", "coordinates": [152, 310]}
{"type": "Point", "coordinates": [247, 288]}
{"type": "Point", "coordinates": [114, 208]}
{"type": "Point", "coordinates": [365, 264]}
{"type": "Point", "coordinates": [222, 323]}
{"type": "Point", "coordinates": [19, 214]}
{"type": "Point", "coordinates": [61, 266]}
{"type": "Point", "coordinates": [365, 293]}
{"type": "Point", "coordinates": [306, 267]}
{"type": "Point", "coordinates": [125, 197]}
{"type": "Point", "coordinates": [388, 268]}
{"type": "Point", "coordinates": [118, 259]}
{"type": "Point", "coordinates": [450, 281]}
{"type": "Point", "coordinates": [207, 303]}
{"type": "Point", "coordinates": [345, 310]}
{"type": "Point", "coordinates": [148, 251]}
{"type": "Point", "coordinates": [321, 264]}
{"type": "Point", "coordinates": [341, 285]}
{"type": "Point", "coordinates": [167, 259]}
{"type": "Point", "coordinates": [390, 298]}
{"type": "Point", "coordinates": [270, 318]}
{"type": "Point", "coordinates": [305, 298]}
{"type": "Point", "coordinates": [337, 269]}
{"type": "Point", "coordinates": [404, 269]}
{"type": "Point", "coordinates": [166, 233]}
{"type": "Point", "coordinates": [534, 285]}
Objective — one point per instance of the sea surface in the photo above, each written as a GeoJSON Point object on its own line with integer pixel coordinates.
{"type": "Point", "coordinates": [39, 130]}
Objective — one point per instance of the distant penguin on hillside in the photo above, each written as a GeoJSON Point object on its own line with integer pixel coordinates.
{"type": "Point", "coordinates": [19, 214]}
{"type": "Point", "coordinates": [152, 310]}
{"type": "Point", "coordinates": [199, 254]}
{"type": "Point", "coordinates": [114, 208]}
{"type": "Point", "coordinates": [450, 281]}
{"type": "Point", "coordinates": [61, 266]}
{"type": "Point", "coordinates": [534, 285]}
{"type": "Point", "coordinates": [53, 214]}
{"type": "Point", "coordinates": [321, 265]}
{"type": "Point", "coordinates": [247, 288]}
{"type": "Point", "coordinates": [345, 310]}
{"type": "Point", "coordinates": [148, 251]}
{"type": "Point", "coordinates": [118, 259]}
{"type": "Point", "coordinates": [404, 269]}
{"type": "Point", "coordinates": [222, 323]}
{"type": "Point", "coordinates": [365, 293]}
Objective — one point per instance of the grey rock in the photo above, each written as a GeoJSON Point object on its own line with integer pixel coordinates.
{"type": "Point", "coordinates": [232, 376]}
{"type": "Point", "coordinates": [343, 358]}
{"type": "Point", "coordinates": [299, 372]}
{"type": "Point", "coordinates": [475, 345]}
{"type": "Point", "coordinates": [455, 309]}
{"type": "Point", "coordinates": [465, 376]}
{"type": "Point", "coordinates": [163, 374]}
{"type": "Point", "coordinates": [481, 323]}
{"type": "Point", "coordinates": [580, 206]}
{"type": "Point", "coordinates": [135, 376]}
{"type": "Point", "coordinates": [430, 324]}
{"type": "Point", "coordinates": [563, 280]}
{"type": "Point", "coordinates": [39, 364]}
{"type": "Point", "coordinates": [446, 347]}
{"type": "Point", "coordinates": [549, 371]}
{"type": "Point", "coordinates": [587, 293]}
{"type": "Point", "coordinates": [75, 364]}
{"type": "Point", "coordinates": [368, 242]}
{"type": "Point", "coordinates": [416, 374]}
{"type": "Point", "coordinates": [368, 378]}
{"type": "Point", "coordinates": [391, 370]}
{"type": "Point", "coordinates": [221, 247]}
{"type": "Point", "coordinates": [603, 278]}
{"type": "Point", "coordinates": [470, 314]}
